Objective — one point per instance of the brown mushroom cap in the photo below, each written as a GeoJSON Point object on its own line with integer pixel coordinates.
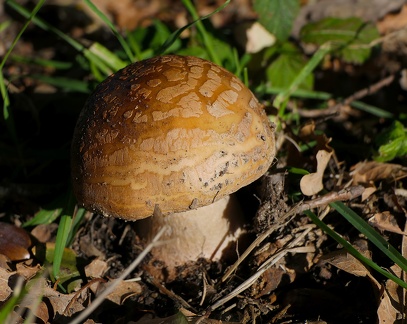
{"type": "Point", "coordinates": [173, 132]}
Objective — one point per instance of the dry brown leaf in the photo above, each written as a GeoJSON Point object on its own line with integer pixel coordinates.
{"type": "Point", "coordinates": [312, 183]}
{"type": "Point", "coordinates": [96, 269]}
{"type": "Point", "coordinates": [253, 37]}
{"type": "Point", "coordinates": [346, 262]}
{"type": "Point", "coordinates": [27, 271]}
{"type": "Point", "coordinates": [5, 289]}
{"type": "Point", "coordinates": [43, 232]}
{"type": "Point", "coordinates": [387, 311]}
{"type": "Point", "coordinates": [32, 301]}
{"type": "Point", "coordinates": [122, 291]}
{"type": "Point", "coordinates": [370, 171]}
{"type": "Point", "coordinates": [385, 221]}
{"type": "Point", "coordinates": [130, 14]}
{"type": "Point", "coordinates": [368, 191]}
{"type": "Point", "coordinates": [60, 302]}
{"type": "Point", "coordinates": [5, 262]}
{"type": "Point", "coordinates": [393, 21]}
{"type": "Point", "coordinates": [307, 133]}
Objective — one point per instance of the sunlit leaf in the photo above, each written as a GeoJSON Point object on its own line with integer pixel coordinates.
{"type": "Point", "coordinates": [351, 37]}
{"type": "Point", "coordinates": [277, 16]}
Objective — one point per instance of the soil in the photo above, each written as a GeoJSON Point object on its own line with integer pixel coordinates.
{"type": "Point", "coordinates": [300, 273]}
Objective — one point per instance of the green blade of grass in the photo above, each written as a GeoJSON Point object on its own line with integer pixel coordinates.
{"type": "Point", "coordinates": [42, 24]}
{"type": "Point", "coordinates": [64, 83]}
{"type": "Point", "coordinates": [4, 25]}
{"type": "Point", "coordinates": [76, 222]}
{"type": "Point", "coordinates": [49, 213]}
{"type": "Point", "coordinates": [375, 111]}
{"type": "Point", "coordinates": [281, 100]}
{"type": "Point", "coordinates": [319, 95]}
{"type": "Point", "coordinates": [353, 251]}
{"type": "Point", "coordinates": [75, 44]}
{"type": "Point", "coordinates": [59, 65]}
{"type": "Point", "coordinates": [64, 228]}
{"type": "Point", "coordinates": [300, 93]}
{"type": "Point", "coordinates": [44, 216]}
{"type": "Point", "coordinates": [7, 115]}
{"type": "Point", "coordinates": [30, 16]}
{"type": "Point", "coordinates": [111, 59]}
{"type": "Point", "coordinates": [362, 226]}
{"type": "Point", "coordinates": [206, 37]}
{"type": "Point", "coordinates": [201, 28]}
{"type": "Point", "coordinates": [112, 27]}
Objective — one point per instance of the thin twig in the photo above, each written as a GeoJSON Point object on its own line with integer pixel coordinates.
{"type": "Point", "coordinates": [312, 113]}
{"type": "Point", "coordinates": [342, 195]}
{"type": "Point", "coordinates": [171, 295]}
{"type": "Point", "coordinates": [112, 286]}
{"type": "Point", "coordinates": [79, 292]}
{"type": "Point", "coordinates": [263, 268]}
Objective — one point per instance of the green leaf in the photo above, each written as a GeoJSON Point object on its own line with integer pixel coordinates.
{"type": "Point", "coordinates": [161, 33]}
{"type": "Point", "coordinates": [107, 56]}
{"type": "Point", "coordinates": [295, 170]}
{"type": "Point", "coordinates": [351, 37]}
{"type": "Point", "coordinates": [44, 216]}
{"type": "Point", "coordinates": [281, 100]}
{"type": "Point", "coordinates": [42, 62]}
{"type": "Point", "coordinates": [68, 276]}
{"type": "Point", "coordinates": [107, 21]}
{"type": "Point", "coordinates": [375, 111]}
{"type": "Point", "coordinates": [64, 228]}
{"type": "Point", "coordinates": [283, 70]}
{"type": "Point", "coordinates": [392, 142]}
{"type": "Point", "coordinates": [207, 38]}
{"type": "Point", "coordinates": [67, 84]}
{"type": "Point", "coordinates": [277, 16]}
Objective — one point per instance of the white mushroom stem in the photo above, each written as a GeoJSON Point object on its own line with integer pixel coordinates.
{"type": "Point", "coordinates": [209, 232]}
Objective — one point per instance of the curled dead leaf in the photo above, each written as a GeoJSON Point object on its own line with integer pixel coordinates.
{"type": "Point", "coordinates": [5, 289]}
{"type": "Point", "coordinates": [385, 221]}
{"type": "Point", "coordinates": [253, 37]}
{"type": "Point", "coordinates": [371, 171]}
{"type": "Point", "coordinates": [368, 172]}
{"type": "Point", "coordinates": [123, 290]}
{"type": "Point", "coordinates": [307, 133]}
{"type": "Point", "coordinates": [391, 305]}
{"type": "Point", "coordinates": [342, 260]}
{"type": "Point", "coordinates": [311, 184]}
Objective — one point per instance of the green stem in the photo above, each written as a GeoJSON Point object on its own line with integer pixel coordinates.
{"type": "Point", "coordinates": [201, 28]}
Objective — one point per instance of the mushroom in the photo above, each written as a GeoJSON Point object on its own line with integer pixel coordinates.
{"type": "Point", "coordinates": [172, 136]}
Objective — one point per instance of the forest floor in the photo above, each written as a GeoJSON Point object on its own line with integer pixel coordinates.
{"type": "Point", "coordinates": [328, 156]}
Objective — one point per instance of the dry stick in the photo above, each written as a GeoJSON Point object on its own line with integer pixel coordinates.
{"type": "Point", "coordinates": [311, 113]}
{"type": "Point", "coordinates": [112, 286]}
{"type": "Point", "coordinates": [342, 195]}
{"type": "Point", "coordinates": [171, 295]}
{"type": "Point", "coordinates": [345, 194]}
{"type": "Point", "coordinates": [79, 292]}
{"type": "Point", "coordinates": [263, 268]}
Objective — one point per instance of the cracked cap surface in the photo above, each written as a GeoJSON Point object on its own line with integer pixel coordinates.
{"type": "Point", "coordinates": [174, 131]}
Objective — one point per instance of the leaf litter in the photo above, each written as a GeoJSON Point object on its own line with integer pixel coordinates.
{"type": "Point", "coordinates": [290, 269]}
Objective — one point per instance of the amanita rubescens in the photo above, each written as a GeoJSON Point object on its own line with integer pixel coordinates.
{"type": "Point", "coordinates": [172, 134]}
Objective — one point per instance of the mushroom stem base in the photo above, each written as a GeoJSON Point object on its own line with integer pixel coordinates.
{"type": "Point", "coordinates": [209, 232]}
